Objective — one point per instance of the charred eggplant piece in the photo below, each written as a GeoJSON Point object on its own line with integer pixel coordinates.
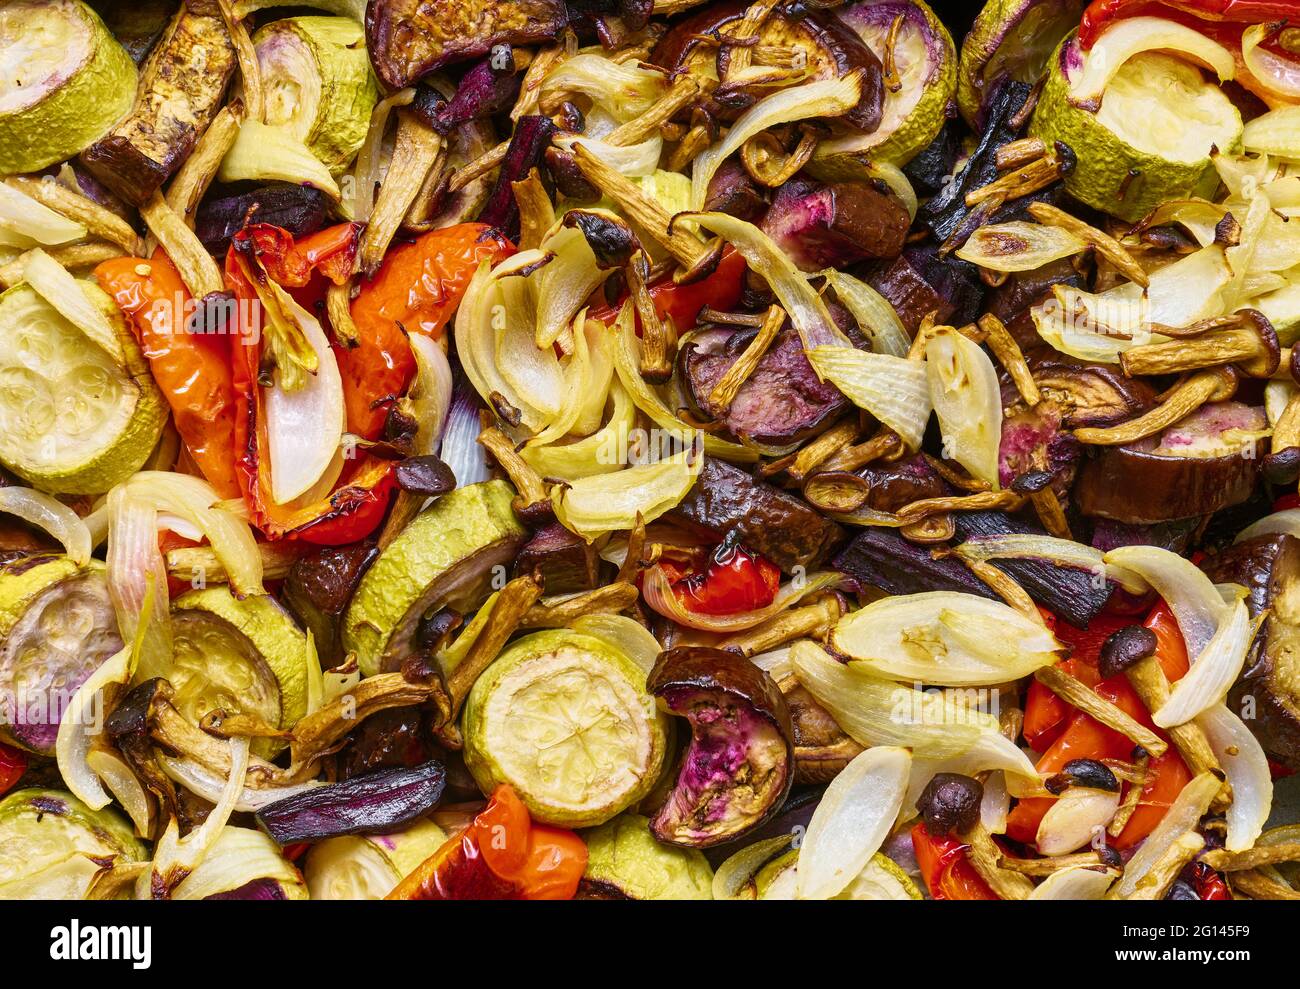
{"type": "Point", "coordinates": [928, 172]}
{"type": "Point", "coordinates": [566, 562]}
{"type": "Point", "coordinates": [299, 209]}
{"type": "Point", "coordinates": [408, 39]}
{"type": "Point", "coordinates": [527, 150]}
{"type": "Point", "coordinates": [1192, 469]}
{"type": "Point", "coordinates": [1073, 594]}
{"type": "Point", "coordinates": [880, 557]}
{"type": "Point", "coordinates": [831, 47]}
{"type": "Point", "coordinates": [1269, 568]}
{"type": "Point", "coordinates": [180, 91]}
{"type": "Point", "coordinates": [138, 26]}
{"type": "Point", "coordinates": [782, 527]}
{"type": "Point", "coordinates": [821, 747]}
{"type": "Point", "coordinates": [739, 764]}
{"type": "Point", "coordinates": [1089, 395]}
{"type": "Point", "coordinates": [781, 402]}
{"type": "Point", "coordinates": [1013, 300]}
{"type": "Point", "coordinates": [891, 486]}
{"type": "Point", "coordinates": [370, 804]}
{"type": "Point", "coordinates": [1034, 439]}
{"type": "Point", "coordinates": [836, 225]}
{"type": "Point", "coordinates": [482, 91]}
{"type": "Point", "coordinates": [732, 191]}
{"type": "Point", "coordinates": [920, 282]}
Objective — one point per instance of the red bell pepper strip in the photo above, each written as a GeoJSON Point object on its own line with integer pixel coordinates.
{"type": "Point", "coordinates": [1084, 738]}
{"type": "Point", "coordinates": [415, 290]}
{"type": "Point", "coordinates": [192, 370]}
{"type": "Point", "coordinates": [682, 303]}
{"type": "Point", "coordinates": [1101, 14]}
{"type": "Point", "coordinates": [946, 868]}
{"type": "Point", "coordinates": [502, 855]}
{"type": "Point", "coordinates": [735, 581]}
{"type": "Point", "coordinates": [1209, 885]}
{"type": "Point", "coordinates": [13, 763]}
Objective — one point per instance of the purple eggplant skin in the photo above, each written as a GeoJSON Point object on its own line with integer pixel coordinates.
{"type": "Point", "coordinates": [482, 91]}
{"type": "Point", "coordinates": [781, 402]}
{"type": "Point", "coordinates": [257, 889]}
{"type": "Point", "coordinates": [929, 171]}
{"type": "Point", "coordinates": [919, 281]}
{"type": "Point", "coordinates": [408, 39]}
{"type": "Point", "coordinates": [1014, 300]}
{"type": "Point", "coordinates": [739, 764]}
{"type": "Point", "coordinates": [368, 804]}
{"type": "Point", "coordinates": [526, 151]}
{"type": "Point", "coordinates": [734, 192]}
{"type": "Point", "coordinates": [946, 211]}
{"type": "Point", "coordinates": [1068, 592]}
{"type": "Point", "coordinates": [1269, 687]}
{"type": "Point", "coordinates": [566, 562]}
{"type": "Point", "coordinates": [834, 49]}
{"type": "Point", "coordinates": [880, 557]}
{"type": "Point", "coordinates": [779, 525]}
{"type": "Point", "coordinates": [891, 486]}
{"type": "Point", "coordinates": [397, 738]}
{"type": "Point", "coordinates": [297, 208]}
{"type": "Point", "coordinates": [1089, 395]}
{"type": "Point", "coordinates": [835, 225]}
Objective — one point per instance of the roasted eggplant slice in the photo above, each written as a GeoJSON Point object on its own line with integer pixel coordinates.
{"type": "Point", "coordinates": [1197, 467]}
{"type": "Point", "coordinates": [780, 402]}
{"type": "Point", "coordinates": [835, 225]}
{"type": "Point", "coordinates": [821, 747]}
{"type": "Point", "coordinates": [784, 528]}
{"type": "Point", "coordinates": [920, 282]}
{"type": "Point", "coordinates": [880, 557]}
{"type": "Point", "coordinates": [1269, 568]}
{"type": "Point", "coordinates": [300, 209]}
{"type": "Point", "coordinates": [180, 91]}
{"type": "Point", "coordinates": [409, 39]}
{"type": "Point", "coordinates": [739, 764]}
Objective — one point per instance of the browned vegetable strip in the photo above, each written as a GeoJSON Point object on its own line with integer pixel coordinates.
{"type": "Point", "coordinates": [695, 141]}
{"type": "Point", "coordinates": [200, 563]}
{"type": "Point", "coordinates": [850, 458]}
{"type": "Point", "coordinates": [1005, 348]}
{"type": "Point", "coordinates": [511, 605]}
{"type": "Point", "coordinates": [1131, 800]}
{"type": "Point", "coordinates": [1051, 513]}
{"type": "Point", "coordinates": [249, 71]}
{"type": "Point", "coordinates": [1004, 586]}
{"type": "Point", "coordinates": [1156, 883]}
{"type": "Point", "coordinates": [414, 153]}
{"type": "Point", "coordinates": [530, 88]}
{"type": "Point", "coordinates": [71, 257]}
{"type": "Point", "coordinates": [1258, 886]}
{"type": "Point", "coordinates": [813, 621]}
{"type": "Point", "coordinates": [801, 464]}
{"type": "Point", "coordinates": [1252, 858]}
{"type": "Point", "coordinates": [219, 724]}
{"type": "Point", "coordinates": [1038, 174]}
{"type": "Point", "coordinates": [658, 339]}
{"type": "Point", "coordinates": [1104, 244]}
{"type": "Point", "coordinates": [681, 93]}
{"type": "Point", "coordinates": [338, 306]}
{"type": "Point", "coordinates": [1047, 866]}
{"type": "Point", "coordinates": [536, 212]}
{"type": "Point", "coordinates": [609, 600]}
{"type": "Point", "coordinates": [639, 208]}
{"type": "Point", "coordinates": [917, 510]}
{"type": "Point", "coordinates": [479, 167]}
{"type": "Point", "coordinates": [1018, 153]}
{"type": "Point", "coordinates": [1077, 693]}
{"type": "Point", "coordinates": [986, 857]}
{"type": "Point", "coordinates": [767, 162]}
{"type": "Point", "coordinates": [1184, 398]}
{"type": "Point", "coordinates": [631, 567]}
{"type": "Point", "coordinates": [1152, 687]}
{"type": "Point", "coordinates": [1257, 353]}
{"type": "Point", "coordinates": [100, 223]}
{"type": "Point", "coordinates": [197, 269]}
{"type": "Point", "coordinates": [724, 392]}
{"type": "Point", "coordinates": [317, 733]}
{"type": "Point", "coordinates": [533, 496]}
{"type": "Point", "coordinates": [191, 182]}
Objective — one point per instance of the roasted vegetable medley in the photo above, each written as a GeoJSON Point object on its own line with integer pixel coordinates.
{"type": "Point", "coordinates": [652, 449]}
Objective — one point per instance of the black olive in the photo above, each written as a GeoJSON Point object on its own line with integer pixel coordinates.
{"type": "Point", "coordinates": [1031, 481]}
{"type": "Point", "coordinates": [1083, 772]}
{"type": "Point", "coordinates": [1282, 466]}
{"type": "Point", "coordinates": [432, 631]}
{"type": "Point", "coordinates": [426, 476]}
{"type": "Point", "coordinates": [1124, 648]}
{"type": "Point", "coordinates": [1110, 856]}
{"type": "Point", "coordinates": [950, 801]}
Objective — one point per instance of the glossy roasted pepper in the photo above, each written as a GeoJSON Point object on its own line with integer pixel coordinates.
{"type": "Point", "coordinates": [13, 763]}
{"type": "Point", "coordinates": [502, 855]}
{"type": "Point", "coordinates": [946, 868]}
{"type": "Point", "coordinates": [682, 303]}
{"type": "Point", "coordinates": [193, 370]}
{"type": "Point", "coordinates": [415, 290]}
{"type": "Point", "coordinates": [1103, 13]}
{"type": "Point", "coordinates": [736, 580]}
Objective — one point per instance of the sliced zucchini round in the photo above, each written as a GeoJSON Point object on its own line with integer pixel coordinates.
{"type": "Point", "coordinates": [242, 657]}
{"type": "Point", "coordinates": [925, 61]}
{"type": "Point", "coordinates": [52, 846]}
{"type": "Point", "coordinates": [446, 556]}
{"type": "Point", "coordinates": [367, 867]}
{"type": "Point", "coordinates": [318, 84]}
{"type": "Point", "coordinates": [622, 854]}
{"type": "Point", "coordinates": [64, 81]}
{"type": "Point", "coordinates": [880, 879]}
{"type": "Point", "coordinates": [1151, 139]}
{"type": "Point", "coordinates": [73, 420]}
{"type": "Point", "coordinates": [566, 720]}
{"type": "Point", "coordinates": [57, 626]}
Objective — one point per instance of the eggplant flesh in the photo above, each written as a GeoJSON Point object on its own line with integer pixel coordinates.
{"type": "Point", "coordinates": [1072, 594]}
{"type": "Point", "coordinates": [1269, 568]}
{"type": "Point", "coordinates": [409, 39]}
{"type": "Point", "coordinates": [920, 281]}
{"type": "Point", "coordinates": [891, 486]}
{"type": "Point", "coordinates": [180, 91]}
{"type": "Point", "coordinates": [880, 557]}
{"type": "Point", "coordinates": [782, 527]}
{"type": "Point", "coordinates": [835, 225]}
{"type": "Point", "coordinates": [566, 562]}
{"type": "Point", "coordinates": [738, 767]}
{"type": "Point", "coordinates": [527, 150]}
{"type": "Point", "coordinates": [781, 402]}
